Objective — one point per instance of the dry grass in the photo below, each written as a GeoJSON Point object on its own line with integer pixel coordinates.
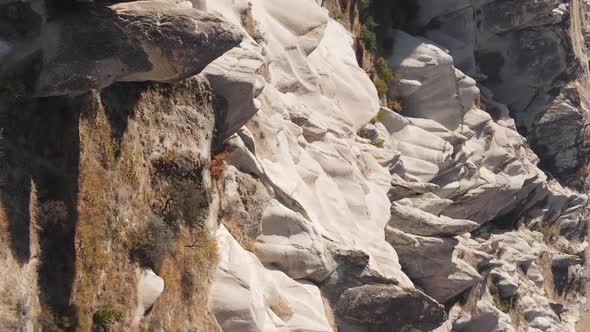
{"type": "Point", "coordinates": [91, 233]}
{"type": "Point", "coordinates": [202, 255]}
{"type": "Point", "coordinates": [187, 276]}
{"type": "Point", "coordinates": [380, 116]}
{"type": "Point", "coordinates": [280, 307]}
{"type": "Point", "coordinates": [385, 71]}
{"type": "Point", "coordinates": [218, 165]}
{"type": "Point", "coordinates": [503, 304]}
{"type": "Point", "coordinates": [518, 320]}
{"type": "Point", "coordinates": [546, 231]}
{"type": "Point", "coordinates": [186, 201]}
{"type": "Point", "coordinates": [364, 4]}
{"type": "Point", "coordinates": [104, 317]}
{"type": "Point", "coordinates": [204, 250]}
{"type": "Point", "coordinates": [545, 266]}
{"type": "Point", "coordinates": [100, 132]}
{"type": "Point", "coordinates": [95, 183]}
{"type": "Point", "coordinates": [469, 257]}
{"type": "Point", "coordinates": [51, 322]}
{"type": "Point", "coordinates": [128, 167]}
{"type": "Point", "coordinates": [174, 164]}
{"type": "Point", "coordinates": [396, 105]}
{"type": "Point", "coordinates": [151, 244]}
{"type": "Point", "coordinates": [378, 142]}
{"type": "Point", "coordinates": [363, 132]}
{"type": "Point", "coordinates": [238, 233]}
{"type": "Point", "coordinates": [382, 87]}
{"type": "Point", "coordinates": [249, 23]}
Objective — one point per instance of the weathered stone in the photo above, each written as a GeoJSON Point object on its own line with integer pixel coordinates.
{"type": "Point", "coordinates": [433, 263]}
{"type": "Point", "coordinates": [533, 57]}
{"type": "Point", "coordinates": [390, 308]}
{"type": "Point", "coordinates": [563, 260]}
{"type": "Point", "coordinates": [506, 284]}
{"type": "Point", "coordinates": [134, 41]}
{"type": "Point", "coordinates": [149, 288]}
{"type": "Point", "coordinates": [292, 244]}
{"type": "Point", "coordinates": [414, 220]}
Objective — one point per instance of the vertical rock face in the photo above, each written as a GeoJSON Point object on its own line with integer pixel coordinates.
{"type": "Point", "coordinates": [271, 191]}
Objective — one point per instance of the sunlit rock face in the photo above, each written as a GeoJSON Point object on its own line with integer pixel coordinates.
{"type": "Point", "coordinates": [416, 211]}
{"type": "Point", "coordinates": [319, 208]}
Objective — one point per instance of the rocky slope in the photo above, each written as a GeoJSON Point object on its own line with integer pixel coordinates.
{"type": "Point", "coordinates": [227, 166]}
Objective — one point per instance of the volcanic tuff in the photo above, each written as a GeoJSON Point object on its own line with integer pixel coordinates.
{"type": "Point", "coordinates": [229, 165]}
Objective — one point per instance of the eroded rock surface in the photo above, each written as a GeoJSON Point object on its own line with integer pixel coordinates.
{"type": "Point", "coordinates": [90, 47]}
{"type": "Point", "coordinates": [284, 196]}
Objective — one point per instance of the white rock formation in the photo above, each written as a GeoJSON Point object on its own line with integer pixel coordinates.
{"type": "Point", "coordinates": [149, 288]}
{"type": "Point", "coordinates": [423, 212]}
{"type": "Point", "coordinates": [247, 297]}
{"type": "Point", "coordinates": [447, 224]}
{"type": "Point", "coordinates": [291, 243]}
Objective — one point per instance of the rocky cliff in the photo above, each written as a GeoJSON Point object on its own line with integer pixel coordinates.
{"type": "Point", "coordinates": [272, 165]}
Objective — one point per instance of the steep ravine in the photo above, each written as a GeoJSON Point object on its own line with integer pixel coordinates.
{"type": "Point", "coordinates": [229, 165]}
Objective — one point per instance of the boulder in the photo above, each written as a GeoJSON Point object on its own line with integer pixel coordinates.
{"type": "Point", "coordinates": [292, 244]}
{"type": "Point", "coordinates": [245, 296]}
{"type": "Point", "coordinates": [401, 188]}
{"type": "Point", "coordinates": [236, 80]}
{"type": "Point", "coordinates": [413, 220]}
{"type": "Point", "coordinates": [390, 308]}
{"type": "Point", "coordinates": [149, 288]}
{"type": "Point", "coordinates": [506, 284]}
{"type": "Point", "coordinates": [561, 260]}
{"type": "Point", "coordinates": [484, 317]}
{"type": "Point", "coordinates": [433, 263]}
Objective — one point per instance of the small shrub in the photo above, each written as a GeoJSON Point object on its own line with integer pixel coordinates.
{"type": "Point", "coordinates": [176, 165]}
{"type": "Point", "coordinates": [363, 132]}
{"type": "Point", "coordinates": [380, 116]}
{"type": "Point", "coordinates": [396, 105]}
{"type": "Point", "coordinates": [281, 307]}
{"type": "Point", "coordinates": [234, 228]}
{"type": "Point", "coordinates": [218, 165]}
{"type": "Point", "coordinates": [202, 256]}
{"type": "Point", "coordinates": [385, 71]}
{"type": "Point", "coordinates": [382, 87]}
{"type": "Point", "coordinates": [378, 142]}
{"type": "Point", "coordinates": [188, 202]}
{"type": "Point", "coordinates": [371, 23]}
{"type": "Point", "coordinates": [205, 249]}
{"type": "Point", "coordinates": [341, 17]}
{"type": "Point", "coordinates": [545, 231]}
{"type": "Point", "coordinates": [503, 304]}
{"type": "Point", "coordinates": [106, 316]}
{"type": "Point", "coordinates": [370, 38]}
{"type": "Point", "coordinates": [152, 244]}
{"type": "Point", "coordinates": [248, 22]}
{"type": "Point", "coordinates": [49, 321]}
{"type": "Point", "coordinates": [364, 4]}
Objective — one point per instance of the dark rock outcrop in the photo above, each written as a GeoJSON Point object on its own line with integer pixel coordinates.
{"type": "Point", "coordinates": [91, 47]}
{"type": "Point", "coordinates": [390, 308]}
